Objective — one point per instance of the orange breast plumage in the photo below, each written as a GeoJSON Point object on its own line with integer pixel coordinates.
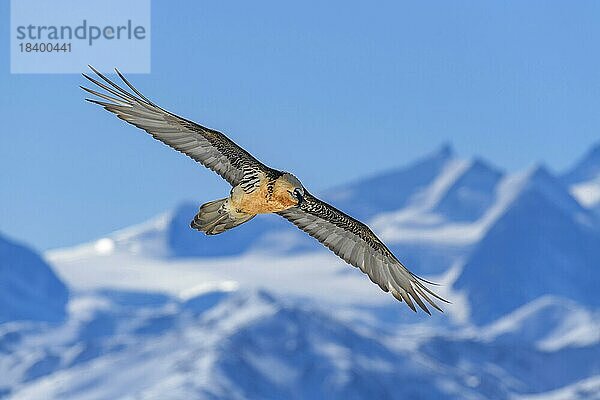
{"type": "Point", "coordinates": [269, 197]}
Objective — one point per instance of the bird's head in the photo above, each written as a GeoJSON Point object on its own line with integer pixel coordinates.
{"type": "Point", "coordinates": [294, 188]}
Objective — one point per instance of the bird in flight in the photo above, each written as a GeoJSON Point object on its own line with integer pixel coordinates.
{"type": "Point", "coordinates": [258, 189]}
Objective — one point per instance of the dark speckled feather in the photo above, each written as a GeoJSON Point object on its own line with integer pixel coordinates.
{"type": "Point", "coordinates": [206, 146]}
{"type": "Point", "coordinates": [356, 244]}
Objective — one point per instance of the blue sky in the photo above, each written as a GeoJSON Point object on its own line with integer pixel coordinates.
{"type": "Point", "coordinates": [330, 91]}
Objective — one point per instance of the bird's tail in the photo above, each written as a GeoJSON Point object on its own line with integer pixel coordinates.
{"type": "Point", "coordinates": [216, 217]}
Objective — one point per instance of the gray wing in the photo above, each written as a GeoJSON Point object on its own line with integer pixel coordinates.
{"type": "Point", "coordinates": [208, 147]}
{"type": "Point", "coordinates": [356, 244]}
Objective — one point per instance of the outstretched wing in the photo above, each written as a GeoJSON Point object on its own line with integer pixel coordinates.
{"type": "Point", "coordinates": [207, 146]}
{"type": "Point", "coordinates": [356, 244]}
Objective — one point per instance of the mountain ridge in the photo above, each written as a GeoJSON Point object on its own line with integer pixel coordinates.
{"type": "Point", "coordinates": [271, 313]}
{"type": "Point", "coordinates": [29, 289]}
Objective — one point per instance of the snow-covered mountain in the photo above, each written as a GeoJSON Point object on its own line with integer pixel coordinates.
{"type": "Point", "coordinates": [230, 344]}
{"type": "Point", "coordinates": [509, 238]}
{"type": "Point", "coordinates": [504, 368]}
{"type": "Point", "coordinates": [391, 190]}
{"type": "Point", "coordinates": [29, 289]}
{"type": "Point", "coordinates": [587, 389]}
{"type": "Point", "coordinates": [542, 243]}
{"type": "Point", "coordinates": [549, 323]}
{"type": "Point", "coordinates": [584, 179]}
{"type": "Point", "coordinates": [244, 345]}
{"type": "Point", "coordinates": [265, 312]}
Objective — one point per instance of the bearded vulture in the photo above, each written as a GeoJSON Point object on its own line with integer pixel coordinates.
{"type": "Point", "coordinates": [258, 189]}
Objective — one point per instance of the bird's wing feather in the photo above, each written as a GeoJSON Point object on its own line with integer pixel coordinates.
{"type": "Point", "coordinates": [206, 146]}
{"type": "Point", "coordinates": [356, 244]}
